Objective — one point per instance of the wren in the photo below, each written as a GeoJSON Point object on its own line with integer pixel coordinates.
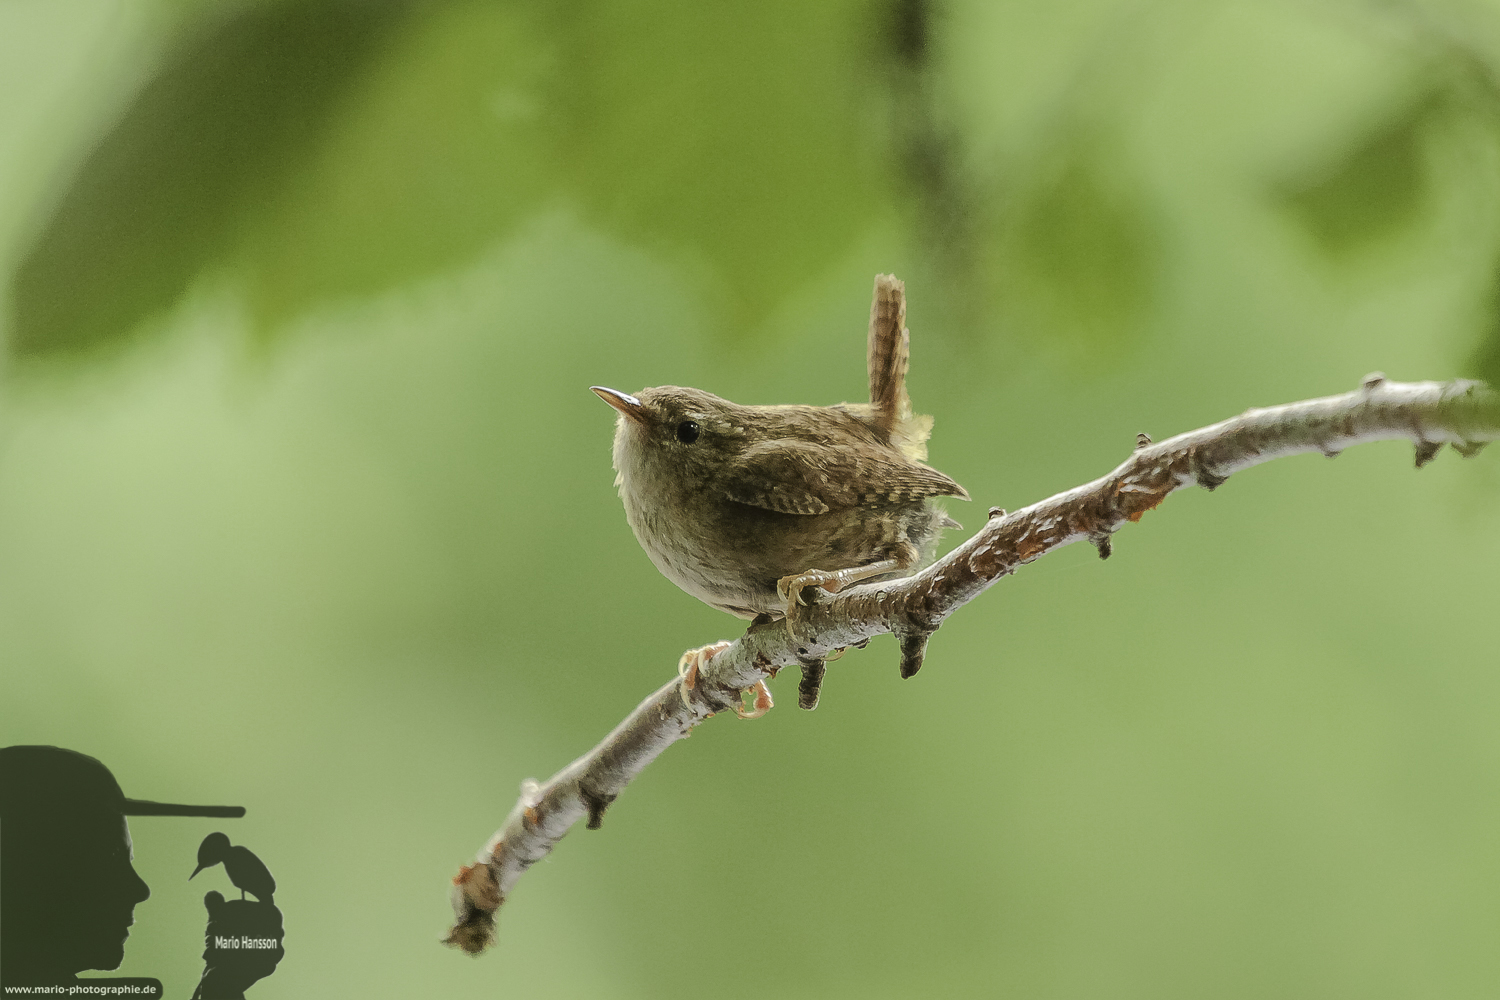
{"type": "Point", "coordinates": [746, 506]}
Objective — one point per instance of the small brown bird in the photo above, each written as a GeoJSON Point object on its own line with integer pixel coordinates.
{"type": "Point", "coordinates": [745, 506]}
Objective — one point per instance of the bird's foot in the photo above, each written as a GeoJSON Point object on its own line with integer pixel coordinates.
{"type": "Point", "coordinates": [694, 659]}
{"type": "Point", "coordinates": [760, 706]}
{"type": "Point", "coordinates": [688, 664]}
{"type": "Point", "coordinates": [789, 588]}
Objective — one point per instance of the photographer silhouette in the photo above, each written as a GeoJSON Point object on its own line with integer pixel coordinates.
{"type": "Point", "coordinates": [68, 890]}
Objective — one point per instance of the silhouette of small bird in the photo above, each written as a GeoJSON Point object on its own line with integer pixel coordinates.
{"type": "Point", "coordinates": [245, 870]}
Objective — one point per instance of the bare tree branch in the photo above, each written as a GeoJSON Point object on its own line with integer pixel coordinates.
{"type": "Point", "coordinates": [1430, 414]}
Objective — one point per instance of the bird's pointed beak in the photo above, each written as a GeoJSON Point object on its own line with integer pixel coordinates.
{"type": "Point", "coordinates": [196, 871]}
{"type": "Point", "coordinates": [622, 401]}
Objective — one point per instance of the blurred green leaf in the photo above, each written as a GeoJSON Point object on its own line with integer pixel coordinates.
{"type": "Point", "coordinates": [1075, 258]}
{"type": "Point", "coordinates": [737, 131]}
{"type": "Point", "coordinates": [323, 153]}
{"type": "Point", "coordinates": [443, 147]}
{"type": "Point", "coordinates": [237, 104]}
{"type": "Point", "coordinates": [1373, 190]}
{"type": "Point", "coordinates": [1485, 361]}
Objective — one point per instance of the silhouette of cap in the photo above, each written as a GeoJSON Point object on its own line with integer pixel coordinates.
{"type": "Point", "coordinates": [61, 775]}
{"type": "Point", "coordinates": [143, 807]}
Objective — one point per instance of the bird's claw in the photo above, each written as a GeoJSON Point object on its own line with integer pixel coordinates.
{"type": "Point", "coordinates": [693, 660]}
{"type": "Point", "coordinates": [689, 663]}
{"type": "Point", "coordinates": [789, 588]}
{"type": "Point", "coordinates": [762, 704]}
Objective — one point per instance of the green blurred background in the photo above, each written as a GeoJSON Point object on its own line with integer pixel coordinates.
{"type": "Point", "coordinates": [305, 505]}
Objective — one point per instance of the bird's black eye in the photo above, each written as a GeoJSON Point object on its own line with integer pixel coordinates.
{"type": "Point", "coordinates": [687, 432]}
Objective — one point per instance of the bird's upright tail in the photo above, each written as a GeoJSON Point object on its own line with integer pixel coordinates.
{"type": "Point", "coordinates": [889, 359]}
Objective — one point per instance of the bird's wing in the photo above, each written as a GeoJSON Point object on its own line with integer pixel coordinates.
{"type": "Point", "coordinates": [802, 477]}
